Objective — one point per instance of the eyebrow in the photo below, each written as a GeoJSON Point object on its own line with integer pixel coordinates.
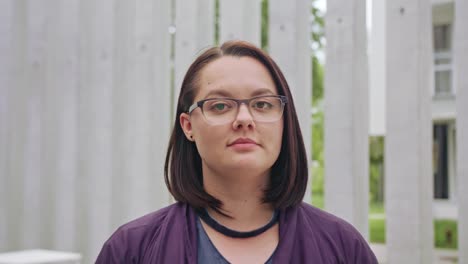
{"type": "Point", "coordinates": [262, 91]}
{"type": "Point", "coordinates": [225, 93]}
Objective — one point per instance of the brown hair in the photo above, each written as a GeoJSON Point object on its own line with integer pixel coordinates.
{"type": "Point", "coordinates": [183, 167]}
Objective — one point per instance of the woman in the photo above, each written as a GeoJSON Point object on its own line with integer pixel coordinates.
{"type": "Point", "coordinates": [237, 166]}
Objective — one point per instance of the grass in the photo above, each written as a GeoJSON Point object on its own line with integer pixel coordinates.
{"type": "Point", "coordinates": [376, 208]}
{"type": "Point", "coordinates": [377, 230]}
{"type": "Point", "coordinates": [446, 234]}
{"type": "Point", "coordinates": [445, 230]}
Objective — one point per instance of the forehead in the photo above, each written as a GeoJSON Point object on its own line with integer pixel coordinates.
{"type": "Point", "coordinates": [237, 77]}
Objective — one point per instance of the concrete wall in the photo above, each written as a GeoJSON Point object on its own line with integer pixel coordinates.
{"type": "Point", "coordinates": [461, 84]}
{"type": "Point", "coordinates": [408, 163]}
{"type": "Point", "coordinates": [347, 113]}
{"type": "Point", "coordinates": [86, 103]}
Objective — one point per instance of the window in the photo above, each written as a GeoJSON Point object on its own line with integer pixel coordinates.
{"type": "Point", "coordinates": [443, 60]}
{"type": "Point", "coordinates": [440, 161]}
{"type": "Point", "coordinates": [442, 38]}
{"type": "Point", "coordinates": [443, 82]}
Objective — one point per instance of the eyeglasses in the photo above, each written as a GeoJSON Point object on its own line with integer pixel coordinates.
{"type": "Point", "coordinates": [217, 111]}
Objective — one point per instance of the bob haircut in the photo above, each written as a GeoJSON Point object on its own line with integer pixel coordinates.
{"type": "Point", "coordinates": [183, 168]}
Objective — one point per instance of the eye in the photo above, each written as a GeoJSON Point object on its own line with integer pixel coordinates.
{"type": "Point", "coordinates": [262, 105]}
{"type": "Point", "coordinates": [218, 106]}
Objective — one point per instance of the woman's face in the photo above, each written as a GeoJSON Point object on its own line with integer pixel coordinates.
{"type": "Point", "coordinates": [226, 146]}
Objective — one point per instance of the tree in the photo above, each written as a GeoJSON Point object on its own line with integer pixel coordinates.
{"type": "Point", "coordinates": [317, 45]}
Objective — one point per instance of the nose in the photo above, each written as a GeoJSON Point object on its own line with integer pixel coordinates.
{"type": "Point", "coordinates": [244, 118]}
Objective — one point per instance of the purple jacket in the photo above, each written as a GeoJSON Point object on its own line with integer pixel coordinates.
{"type": "Point", "coordinates": [307, 235]}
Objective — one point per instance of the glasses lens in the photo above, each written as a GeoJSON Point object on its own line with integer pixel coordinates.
{"type": "Point", "coordinates": [262, 109]}
{"type": "Point", "coordinates": [266, 109]}
{"type": "Point", "coordinates": [219, 111]}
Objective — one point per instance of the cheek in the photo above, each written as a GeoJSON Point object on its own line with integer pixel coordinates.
{"type": "Point", "coordinates": [272, 136]}
{"type": "Point", "coordinates": [279, 138]}
{"type": "Point", "coordinates": [209, 140]}
{"type": "Point", "coordinates": [277, 132]}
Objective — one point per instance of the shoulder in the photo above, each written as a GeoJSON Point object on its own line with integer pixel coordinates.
{"type": "Point", "coordinates": [327, 222]}
{"type": "Point", "coordinates": [130, 241]}
{"type": "Point", "coordinates": [337, 233]}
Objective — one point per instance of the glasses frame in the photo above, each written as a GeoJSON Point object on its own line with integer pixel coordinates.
{"type": "Point", "coordinates": [239, 102]}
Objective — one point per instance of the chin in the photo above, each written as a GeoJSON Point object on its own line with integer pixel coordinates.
{"type": "Point", "coordinates": [248, 165]}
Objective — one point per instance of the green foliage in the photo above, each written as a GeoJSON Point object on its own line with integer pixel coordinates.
{"type": "Point", "coordinates": [376, 171]}
{"type": "Point", "coordinates": [264, 26]}
{"type": "Point", "coordinates": [317, 38]}
{"type": "Point", "coordinates": [377, 230]}
{"type": "Point", "coordinates": [317, 81]}
{"type": "Point", "coordinates": [446, 234]}
{"type": "Point", "coordinates": [376, 208]}
{"type": "Point", "coordinates": [377, 222]}
{"type": "Point", "coordinates": [317, 127]}
{"type": "Point", "coordinates": [317, 150]}
{"type": "Point", "coordinates": [317, 200]}
{"type": "Point", "coordinates": [318, 25]}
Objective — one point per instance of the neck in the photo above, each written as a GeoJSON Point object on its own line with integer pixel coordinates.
{"type": "Point", "coordinates": [241, 195]}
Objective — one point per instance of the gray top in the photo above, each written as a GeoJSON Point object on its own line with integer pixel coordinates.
{"type": "Point", "coordinates": [207, 252]}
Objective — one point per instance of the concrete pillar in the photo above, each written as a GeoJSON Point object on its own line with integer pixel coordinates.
{"type": "Point", "coordinates": [6, 15]}
{"type": "Point", "coordinates": [138, 188]}
{"type": "Point", "coordinates": [80, 90]}
{"type": "Point", "coordinates": [289, 35]}
{"type": "Point", "coordinates": [160, 120]}
{"type": "Point", "coordinates": [194, 32]}
{"type": "Point", "coordinates": [240, 19]}
{"type": "Point", "coordinates": [408, 162]}
{"type": "Point", "coordinates": [35, 182]}
{"type": "Point", "coordinates": [377, 63]}
{"type": "Point", "coordinates": [95, 108]}
{"type": "Point", "coordinates": [16, 128]}
{"type": "Point", "coordinates": [460, 60]}
{"type": "Point", "coordinates": [61, 124]}
{"type": "Point", "coordinates": [346, 113]}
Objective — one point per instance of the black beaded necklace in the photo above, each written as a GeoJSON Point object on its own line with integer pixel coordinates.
{"type": "Point", "coordinates": [203, 214]}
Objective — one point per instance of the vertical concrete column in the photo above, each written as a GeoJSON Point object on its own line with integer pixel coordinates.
{"type": "Point", "coordinates": [61, 124]}
{"type": "Point", "coordinates": [289, 36]}
{"type": "Point", "coordinates": [160, 119]}
{"type": "Point", "coordinates": [122, 119]}
{"type": "Point", "coordinates": [95, 106]}
{"type": "Point", "coordinates": [240, 19]}
{"type": "Point", "coordinates": [408, 163]}
{"type": "Point", "coordinates": [17, 126]}
{"type": "Point", "coordinates": [346, 112]}
{"type": "Point", "coordinates": [377, 70]}
{"type": "Point", "coordinates": [460, 60]}
{"type": "Point", "coordinates": [6, 11]}
{"type": "Point", "coordinates": [138, 189]}
{"type": "Point", "coordinates": [194, 32]}
{"type": "Point", "coordinates": [35, 185]}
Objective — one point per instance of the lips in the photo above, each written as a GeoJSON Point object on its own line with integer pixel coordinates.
{"type": "Point", "coordinates": [241, 141]}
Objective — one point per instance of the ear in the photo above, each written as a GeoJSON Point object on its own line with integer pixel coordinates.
{"type": "Point", "coordinates": [186, 125]}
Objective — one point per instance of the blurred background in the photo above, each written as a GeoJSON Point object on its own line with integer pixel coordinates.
{"type": "Point", "coordinates": [88, 92]}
